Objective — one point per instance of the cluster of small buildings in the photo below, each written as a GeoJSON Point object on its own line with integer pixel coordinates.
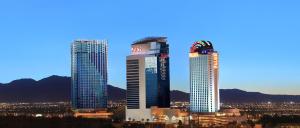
{"type": "Point", "coordinates": [148, 81]}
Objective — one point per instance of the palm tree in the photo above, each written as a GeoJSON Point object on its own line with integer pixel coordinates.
{"type": "Point", "coordinates": [180, 124]}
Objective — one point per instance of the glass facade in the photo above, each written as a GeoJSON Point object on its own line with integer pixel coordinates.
{"type": "Point", "coordinates": [151, 81]}
{"type": "Point", "coordinates": [163, 81]}
{"type": "Point", "coordinates": [89, 74]}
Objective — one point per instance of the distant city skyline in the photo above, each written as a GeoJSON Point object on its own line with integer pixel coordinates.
{"type": "Point", "coordinates": [257, 40]}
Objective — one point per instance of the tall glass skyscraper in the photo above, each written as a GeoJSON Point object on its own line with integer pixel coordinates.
{"type": "Point", "coordinates": [89, 74]}
{"type": "Point", "coordinates": [204, 75]}
{"type": "Point", "coordinates": [148, 82]}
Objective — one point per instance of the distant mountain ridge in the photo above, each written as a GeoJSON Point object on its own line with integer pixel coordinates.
{"type": "Point", "coordinates": [58, 88]}
{"type": "Point", "coordinates": [53, 88]}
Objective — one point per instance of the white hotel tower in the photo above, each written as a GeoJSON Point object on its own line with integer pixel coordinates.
{"type": "Point", "coordinates": [204, 75]}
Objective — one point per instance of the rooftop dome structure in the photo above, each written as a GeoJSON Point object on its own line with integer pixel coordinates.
{"type": "Point", "coordinates": [202, 47]}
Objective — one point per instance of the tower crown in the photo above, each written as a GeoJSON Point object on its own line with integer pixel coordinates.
{"type": "Point", "coordinates": [150, 45]}
{"type": "Point", "coordinates": [202, 47]}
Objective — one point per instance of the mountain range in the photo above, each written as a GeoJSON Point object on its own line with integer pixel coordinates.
{"type": "Point", "coordinates": [58, 88]}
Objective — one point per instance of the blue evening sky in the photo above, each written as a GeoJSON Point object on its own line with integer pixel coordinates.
{"type": "Point", "coordinates": [258, 40]}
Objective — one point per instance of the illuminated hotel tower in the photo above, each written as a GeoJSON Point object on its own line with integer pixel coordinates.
{"type": "Point", "coordinates": [148, 82]}
{"type": "Point", "coordinates": [204, 75]}
{"type": "Point", "coordinates": [89, 74]}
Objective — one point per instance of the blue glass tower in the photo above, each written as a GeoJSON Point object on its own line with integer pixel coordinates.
{"type": "Point", "coordinates": [89, 74]}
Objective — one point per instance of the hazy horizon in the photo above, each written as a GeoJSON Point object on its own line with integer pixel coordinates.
{"type": "Point", "coordinates": [125, 86]}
